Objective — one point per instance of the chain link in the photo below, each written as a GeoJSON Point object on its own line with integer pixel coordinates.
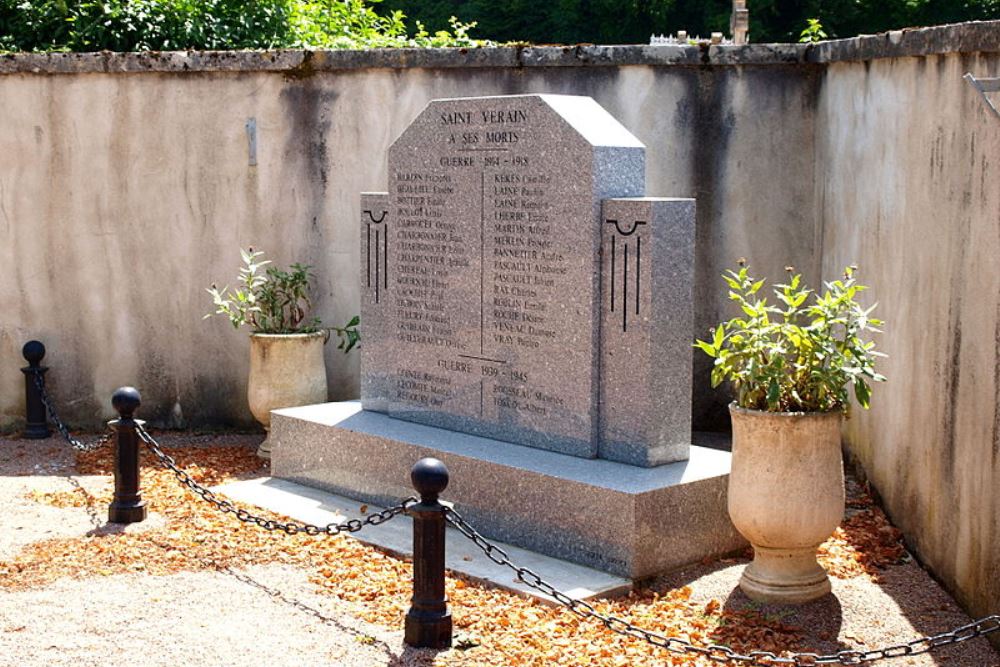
{"type": "Point", "coordinates": [290, 527]}
{"type": "Point", "coordinates": [582, 608]}
{"type": "Point", "coordinates": [61, 427]}
{"type": "Point", "coordinates": [717, 653]}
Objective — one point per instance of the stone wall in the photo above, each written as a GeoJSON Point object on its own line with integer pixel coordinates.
{"type": "Point", "coordinates": [125, 190]}
{"type": "Point", "coordinates": [908, 187]}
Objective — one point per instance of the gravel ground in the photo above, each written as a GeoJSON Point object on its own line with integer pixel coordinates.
{"type": "Point", "coordinates": [266, 615]}
{"type": "Point", "coordinates": [207, 618]}
{"type": "Point", "coordinates": [273, 615]}
{"type": "Point", "coordinates": [860, 615]}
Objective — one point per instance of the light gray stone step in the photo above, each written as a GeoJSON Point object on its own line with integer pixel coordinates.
{"type": "Point", "coordinates": [318, 507]}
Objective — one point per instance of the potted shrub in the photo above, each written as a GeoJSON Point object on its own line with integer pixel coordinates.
{"type": "Point", "coordinates": [793, 366]}
{"type": "Point", "coordinates": [287, 367]}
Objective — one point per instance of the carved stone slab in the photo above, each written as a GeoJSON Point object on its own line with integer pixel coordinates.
{"type": "Point", "coordinates": [485, 311]}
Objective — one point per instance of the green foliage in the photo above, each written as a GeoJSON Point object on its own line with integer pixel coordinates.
{"type": "Point", "coordinates": [351, 24]}
{"type": "Point", "coordinates": [457, 36]}
{"type": "Point", "coordinates": [558, 21]}
{"type": "Point", "coordinates": [781, 20]}
{"type": "Point", "coordinates": [632, 21]}
{"type": "Point", "coordinates": [798, 357]}
{"type": "Point", "coordinates": [276, 302]}
{"type": "Point", "coordinates": [813, 32]}
{"type": "Point", "coordinates": [136, 25]}
{"type": "Point", "coordinates": [283, 301]}
{"type": "Point", "coordinates": [348, 334]}
{"type": "Point", "coordinates": [139, 25]}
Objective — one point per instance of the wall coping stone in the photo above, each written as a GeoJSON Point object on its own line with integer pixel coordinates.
{"type": "Point", "coordinates": [974, 36]}
{"type": "Point", "coordinates": [968, 37]}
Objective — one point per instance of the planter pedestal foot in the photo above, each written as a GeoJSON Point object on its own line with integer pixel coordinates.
{"type": "Point", "coordinates": [784, 576]}
{"type": "Point", "coordinates": [264, 449]}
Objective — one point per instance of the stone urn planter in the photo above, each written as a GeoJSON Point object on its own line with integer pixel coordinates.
{"type": "Point", "coordinates": [287, 366]}
{"type": "Point", "coordinates": [286, 370]}
{"type": "Point", "coordinates": [786, 496]}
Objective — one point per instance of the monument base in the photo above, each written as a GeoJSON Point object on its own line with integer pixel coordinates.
{"type": "Point", "coordinates": [632, 522]}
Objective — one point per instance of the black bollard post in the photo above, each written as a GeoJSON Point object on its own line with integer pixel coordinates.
{"type": "Point", "coordinates": [37, 423]}
{"type": "Point", "coordinates": [127, 505]}
{"type": "Point", "coordinates": [428, 622]}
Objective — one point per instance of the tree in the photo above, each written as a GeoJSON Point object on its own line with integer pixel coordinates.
{"type": "Point", "coordinates": [633, 21]}
{"type": "Point", "coordinates": [138, 25]}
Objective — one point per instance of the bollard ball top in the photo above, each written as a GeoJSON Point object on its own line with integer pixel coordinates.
{"type": "Point", "coordinates": [125, 400]}
{"type": "Point", "coordinates": [429, 477]}
{"type": "Point", "coordinates": [33, 352]}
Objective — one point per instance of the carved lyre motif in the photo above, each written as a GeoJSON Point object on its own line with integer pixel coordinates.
{"type": "Point", "coordinates": [381, 252]}
{"type": "Point", "coordinates": [620, 256]}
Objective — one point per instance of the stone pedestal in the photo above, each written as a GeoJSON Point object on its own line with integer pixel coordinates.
{"type": "Point", "coordinates": [633, 522]}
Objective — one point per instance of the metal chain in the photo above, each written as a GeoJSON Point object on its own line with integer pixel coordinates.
{"type": "Point", "coordinates": [719, 653]}
{"type": "Point", "coordinates": [61, 427]}
{"type": "Point", "coordinates": [290, 527]}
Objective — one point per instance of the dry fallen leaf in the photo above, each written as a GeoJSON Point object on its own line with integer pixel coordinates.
{"type": "Point", "coordinates": [499, 628]}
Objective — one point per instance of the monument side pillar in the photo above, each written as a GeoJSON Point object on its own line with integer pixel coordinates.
{"type": "Point", "coordinates": [647, 275]}
{"type": "Point", "coordinates": [376, 287]}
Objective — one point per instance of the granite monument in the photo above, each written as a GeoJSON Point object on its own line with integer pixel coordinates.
{"type": "Point", "coordinates": [527, 317]}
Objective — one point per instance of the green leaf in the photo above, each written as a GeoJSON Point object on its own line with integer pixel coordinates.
{"type": "Point", "coordinates": [863, 393]}
{"type": "Point", "coordinates": [773, 393]}
{"type": "Point", "coordinates": [719, 337]}
{"type": "Point", "coordinates": [707, 348]}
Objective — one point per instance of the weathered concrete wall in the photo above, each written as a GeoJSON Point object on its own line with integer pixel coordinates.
{"type": "Point", "coordinates": [124, 194]}
{"type": "Point", "coordinates": [908, 186]}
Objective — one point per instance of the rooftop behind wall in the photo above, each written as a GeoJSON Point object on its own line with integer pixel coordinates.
{"type": "Point", "coordinates": [125, 189]}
